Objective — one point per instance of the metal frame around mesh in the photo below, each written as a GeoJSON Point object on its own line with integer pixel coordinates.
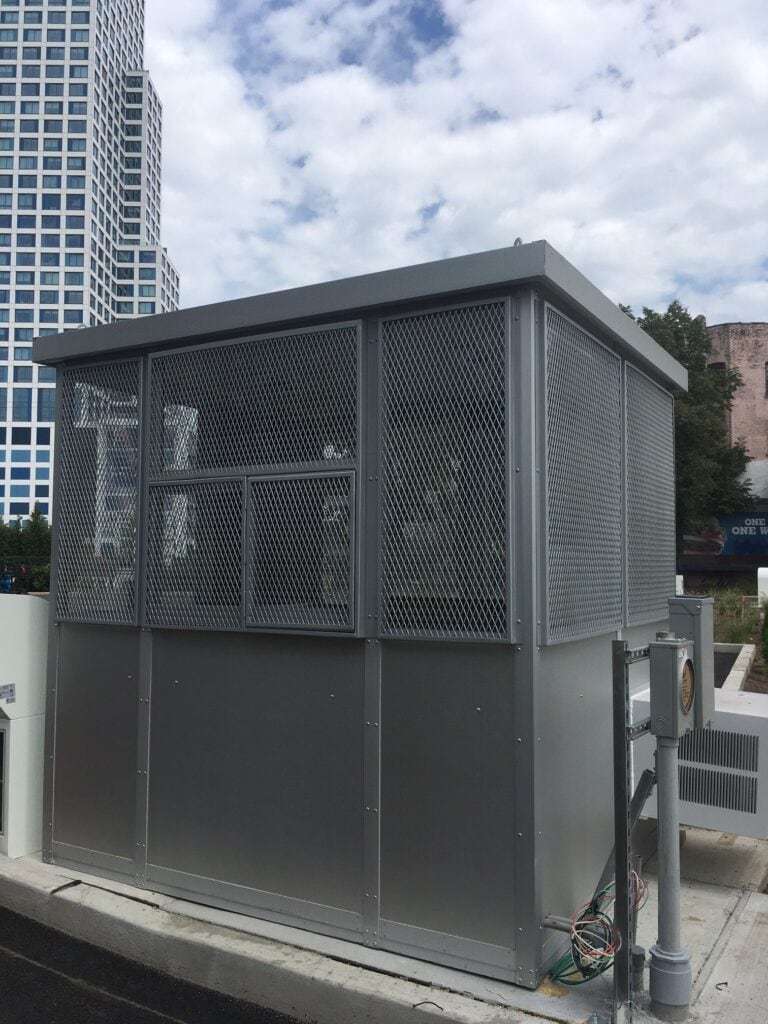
{"type": "Point", "coordinates": [194, 555]}
{"type": "Point", "coordinates": [650, 490]}
{"type": "Point", "coordinates": [278, 400]}
{"type": "Point", "coordinates": [444, 550]}
{"type": "Point", "coordinates": [300, 552]}
{"type": "Point", "coordinates": [584, 455]}
{"type": "Point", "coordinates": [98, 454]}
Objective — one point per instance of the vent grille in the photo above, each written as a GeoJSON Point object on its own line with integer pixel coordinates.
{"type": "Point", "coordinates": [98, 449]}
{"type": "Point", "coordinates": [718, 789]}
{"type": "Point", "coordinates": [300, 552]}
{"type": "Point", "coordinates": [650, 499]}
{"type": "Point", "coordinates": [584, 480]}
{"type": "Point", "coordinates": [721, 748]}
{"type": "Point", "coordinates": [444, 551]}
{"type": "Point", "coordinates": [289, 400]}
{"type": "Point", "coordinates": [194, 566]}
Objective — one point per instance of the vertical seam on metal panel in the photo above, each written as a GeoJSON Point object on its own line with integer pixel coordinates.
{"type": "Point", "coordinates": [526, 924]}
{"type": "Point", "coordinates": [510, 461]}
{"type": "Point", "coordinates": [371, 896]}
{"type": "Point", "coordinates": [54, 638]}
{"type": "Point", "coordinates": [143, 740]}
{"type": "Point", "coordinates": [142, 498]}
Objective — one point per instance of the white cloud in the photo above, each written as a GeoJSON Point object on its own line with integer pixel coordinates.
{"type": "Point", "coordinates": [313, 139]}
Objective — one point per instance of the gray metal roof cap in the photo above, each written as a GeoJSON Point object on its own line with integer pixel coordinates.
{"type": "Point", "coordinates": [536, 263]}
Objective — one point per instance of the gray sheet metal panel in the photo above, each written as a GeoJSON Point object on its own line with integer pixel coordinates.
{"type": "Point", "coordinates": [575, 778]}
{"type": "Point", "coordinates": [536, 262]}
{"type": "Point", "coordinates": [105, 865]}
{"type": "Point", "coordinates": [463, 954]}
{"type": "Point", "coordinates": [256, 763]}
{"type": "Point", "coordinates": [268, 906]}
{"type": "Point", "coordinates": [574, 775]}
{"type": "Point", "coordinates": [447, 808]}
{"type": "Point", "coordinates": [96, 737]}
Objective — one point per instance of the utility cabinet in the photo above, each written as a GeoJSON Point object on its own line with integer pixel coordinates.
{"type": "Point", "coordinates": [337, 573]}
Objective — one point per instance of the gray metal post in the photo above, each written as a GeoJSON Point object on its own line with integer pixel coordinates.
{"type": "Point", "coordinates": [670, 973]}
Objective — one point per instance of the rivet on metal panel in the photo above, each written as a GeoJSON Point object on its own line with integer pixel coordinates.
{"type": "Point", "coordinates": [519, 739]}
{"type": "Point", "coordinates": [375, 725]}
{"type": "Point", "coordinates": [517, 469]}
{"type": "Point", "coordinates": [478, 709]}
{"type": "Point", "coordinates": [519, 835]}
{"type": "Point", "coordinates": [581, 696]}
{"type": "Point", "coordinates": [370, 478]}
{"type": "Point", "coordinates": [520, 930]}
{"type": "Point", "coordinates": [375, 810]}
{"type": "Point", "coordinates": [332, 695]}
{"type": "Point", "coordinates": [518, 621]}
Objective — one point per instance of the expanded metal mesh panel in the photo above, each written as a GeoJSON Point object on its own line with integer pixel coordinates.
{"type": "Point", "coordinates": [718, 789]}
{"type": "Point", "coordinates": [194, 564]}
{"type": "Point", "coordinates": [443, 561]}
{"type": "Point", "coordinates": [650, 499]}
{"type": "Point", "coordinates": [98, 452]}
{"type": "Point", "coordinates": [584, 471]}
{"type": "Point", "coordinates": [300, 552]}
{"type": "Point", "coordinates": [718, 747]}
{"type": "Point", "coordinates": [268, 402]}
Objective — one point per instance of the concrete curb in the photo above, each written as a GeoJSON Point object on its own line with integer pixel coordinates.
{"type": "Point", "coordinates": [298, 982]}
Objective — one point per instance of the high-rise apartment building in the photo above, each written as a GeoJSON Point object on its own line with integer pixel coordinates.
{"type": "Point", "coordinates": [80, 127]}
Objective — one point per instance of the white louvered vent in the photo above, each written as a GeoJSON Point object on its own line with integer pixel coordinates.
{"type": "Point", "coordinates": [723, 770]}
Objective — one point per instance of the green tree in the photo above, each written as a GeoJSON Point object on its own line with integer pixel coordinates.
{"type": "Point", "coordinates": [36, 536]}
{"type": "Point", "coordinates": [709, 470]}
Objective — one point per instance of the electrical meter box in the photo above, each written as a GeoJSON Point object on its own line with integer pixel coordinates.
{"type": "Point", "coordinates": [692, 618]}
{"type": "Point", "coordinates": [673, 687]}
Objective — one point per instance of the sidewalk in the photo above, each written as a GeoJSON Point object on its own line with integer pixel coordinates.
{"type": "Point", "coordinates": [314, 978]}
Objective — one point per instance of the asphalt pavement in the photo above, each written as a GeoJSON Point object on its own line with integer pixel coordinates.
{"type": "Point", "coordinates": [48, 978]}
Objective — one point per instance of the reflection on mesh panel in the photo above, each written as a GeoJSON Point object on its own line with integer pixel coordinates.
{"type": "Point", "coordinates": [194, 565]}
{"type": "Point", "coordinates": [650, 499]}
{"type": "Point", "coordinates": [274, 401]}
{"type": "Point", "coordinates": [584, 468]}
{"type": "Point", "coordinates": [300, 551]}
{"type": "Point", "coordinates": [443, 474]}
{"type": "Point", "coordinates": [98, 449]}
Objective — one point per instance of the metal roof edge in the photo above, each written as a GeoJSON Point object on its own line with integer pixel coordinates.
{"type": "Point", "coordinates": [341, 299]}
{"type": "Point", "coordinates": [564, 278]}
{"type": "Point", "coordinates": [351, 297]}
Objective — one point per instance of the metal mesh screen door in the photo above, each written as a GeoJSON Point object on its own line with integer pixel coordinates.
{"type": "Point", "coordinates": [443, 511]}
{"type": "Point", "coordinates": [194, 561]}
{"type": "Point", "coordinates": [300, 552]}
{"type": "Point", "coordinates": [275, 401]}
{"type": "Point", "coordinates": [98, 449]}
{"type": "Point", "coordinates": [583, 482]}
{"type": "Point", "coordinates": [650, 499]}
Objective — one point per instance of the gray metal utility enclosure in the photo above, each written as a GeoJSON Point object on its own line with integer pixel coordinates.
{"type": "Point", "coordinates": [337, 572]}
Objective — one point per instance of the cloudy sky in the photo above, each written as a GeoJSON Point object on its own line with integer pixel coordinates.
{"type": "Point", "coordinates": [306, 140]}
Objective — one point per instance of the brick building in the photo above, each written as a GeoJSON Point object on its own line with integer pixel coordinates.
{"type": "Point", "coordinates": [745, 348]}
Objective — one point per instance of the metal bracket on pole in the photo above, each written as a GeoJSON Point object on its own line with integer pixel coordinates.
{"type": "Point", "coordinates": [626, 814]}
{"type": "Point", "coordinates": [622, 963]}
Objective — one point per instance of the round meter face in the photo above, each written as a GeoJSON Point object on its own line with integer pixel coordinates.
{"type": "Point", "coordinates": [687, 687]}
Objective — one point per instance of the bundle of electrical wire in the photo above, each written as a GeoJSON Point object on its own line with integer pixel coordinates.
{"type": "Point", "coordinates": [594, 939]}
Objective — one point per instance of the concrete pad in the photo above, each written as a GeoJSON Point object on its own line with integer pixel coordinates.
{"type": "Point", "coordinates": [719, 858]}
{"type": "Point", "coordinates": [317, 978]}
{"type": "Point", "coordinates": [737, 987]}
